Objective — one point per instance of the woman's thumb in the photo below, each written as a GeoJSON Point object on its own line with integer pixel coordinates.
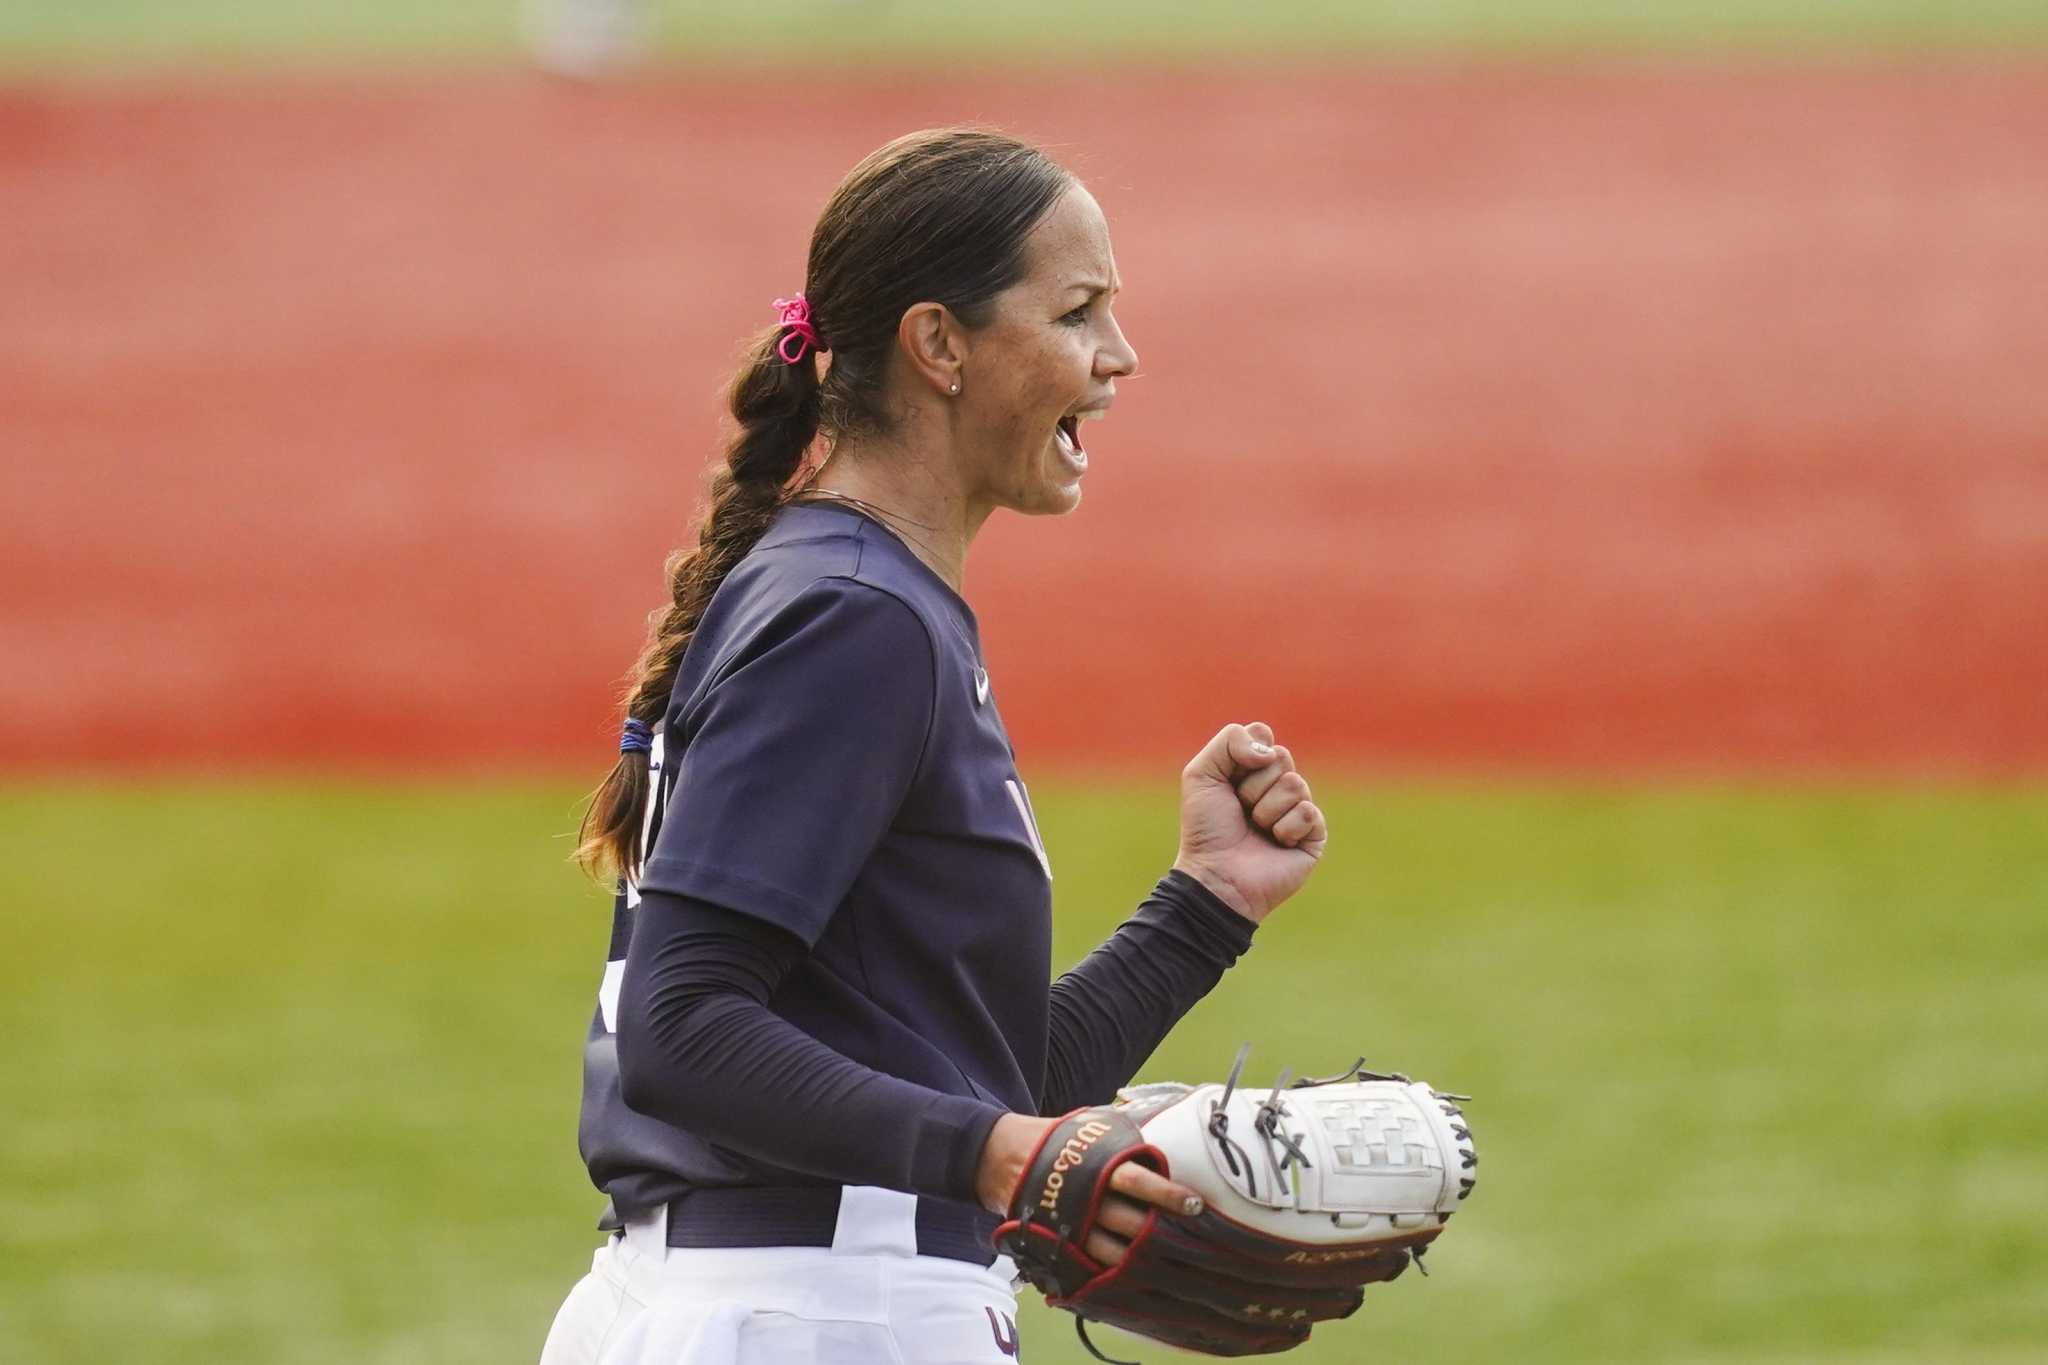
{"type": "Point", "coordinates": [1236, 749]}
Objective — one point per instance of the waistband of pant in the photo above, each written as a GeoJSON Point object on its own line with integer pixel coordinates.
{"type": "Point", "coordinates": [854, 1219]}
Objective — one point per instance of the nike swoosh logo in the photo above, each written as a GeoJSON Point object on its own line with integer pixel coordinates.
{"type": "Point", "coordinates": [980, 686]}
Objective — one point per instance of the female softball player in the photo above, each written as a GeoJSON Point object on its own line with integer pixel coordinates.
{"type": "Point", "coordinates": [828, 1032]}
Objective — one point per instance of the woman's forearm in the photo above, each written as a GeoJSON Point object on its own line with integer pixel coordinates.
{"type": "Point", "coordinates": [1117, 1004]}
{"type": "Point", "coordinates": [699, 1048]}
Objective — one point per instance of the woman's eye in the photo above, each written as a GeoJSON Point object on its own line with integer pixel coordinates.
{"type": "Point", "coordinates": [1077, 317]}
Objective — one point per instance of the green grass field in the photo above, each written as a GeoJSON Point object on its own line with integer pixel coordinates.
{"type": "Point", "coordinates": [291, 1072]}
{"type": "Point", "coordinates": [42, 33]}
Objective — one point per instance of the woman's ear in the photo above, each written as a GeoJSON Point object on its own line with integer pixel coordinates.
{"type": "Point", "coordinates": [933, 344]}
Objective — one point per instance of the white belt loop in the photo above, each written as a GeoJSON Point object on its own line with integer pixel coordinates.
{"type": "Point", "coordinates": [647, 1234]}
{"type": "Point", "coordinates": [875, 1222]}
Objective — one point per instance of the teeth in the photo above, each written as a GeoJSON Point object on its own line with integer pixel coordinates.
{"type": "Point", "coordinates": [1070, 439]}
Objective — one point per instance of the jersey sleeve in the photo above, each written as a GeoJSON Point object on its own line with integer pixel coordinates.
{"type": "Point", "coordinates": [1117, 1004]}
{"type": "Point", "coordinates": [699, 1048]}
{"type": "Point", "coordinates": [796, 758]}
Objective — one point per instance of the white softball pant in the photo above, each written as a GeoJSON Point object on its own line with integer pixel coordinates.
{"type": "Point", "coordinates": [646, 1303]}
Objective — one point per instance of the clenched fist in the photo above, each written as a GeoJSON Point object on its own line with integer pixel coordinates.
{"type": "Point", "coordinates": [1250, 829]}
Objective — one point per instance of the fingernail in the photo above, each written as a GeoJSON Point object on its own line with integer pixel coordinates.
{"type": "Point", "coordinates": [1192, 1205]}
{"type": "Point", "coordinates": [1261, 748]}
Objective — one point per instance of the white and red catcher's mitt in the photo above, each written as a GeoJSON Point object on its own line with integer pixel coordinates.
{"type": "Point", "coordinates": [1311, 1190]}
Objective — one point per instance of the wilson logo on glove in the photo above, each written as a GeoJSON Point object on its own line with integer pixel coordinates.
{"type": "Point", "coordinates": [1311, 1191]}
{"type": "Point", "coordinates": [1072, 1153]}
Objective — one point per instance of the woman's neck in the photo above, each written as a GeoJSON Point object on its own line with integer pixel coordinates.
{"type": "Point", "coordinates": [917, 499]}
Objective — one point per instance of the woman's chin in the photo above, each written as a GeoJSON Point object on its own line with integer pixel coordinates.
{"type": "Point", "coordinates": [1055, 501]}
{"type": "Point", "coordinates": [1053, 492]}
{"type": "Point", "coordinates": [1060, 493]}
{"type": "Point", "coordinates": [1063, 476]}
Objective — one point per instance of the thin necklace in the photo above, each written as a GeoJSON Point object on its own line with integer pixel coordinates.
{"type": "Point", "coordinates": [881, 515]}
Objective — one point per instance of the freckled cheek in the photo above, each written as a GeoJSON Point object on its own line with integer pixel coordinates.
{"type": "Point", "coordinates": [1036, 405]}
{"type": "Point", "coordinates": [1052, 391]}
{"type": "Point", "coordinates": [1015, 440]}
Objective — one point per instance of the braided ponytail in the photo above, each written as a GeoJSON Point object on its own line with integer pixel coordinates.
{"type": "Point", "coordinates": [941, 216]}
{"type": "Point", "coordinates": [775, 406]}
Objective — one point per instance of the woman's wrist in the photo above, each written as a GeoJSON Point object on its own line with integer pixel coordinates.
{"type": "Point", "coordinates": [1011, 1144]}
{"type": "Point", "coordinates": [1216, 885]}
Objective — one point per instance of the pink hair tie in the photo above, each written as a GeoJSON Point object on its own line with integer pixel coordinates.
{"type": "Point", "coordinates": [796, 317]}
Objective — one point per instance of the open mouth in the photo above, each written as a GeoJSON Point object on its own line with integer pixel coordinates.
{"type": "Point", "coordinates": [1070, 442]}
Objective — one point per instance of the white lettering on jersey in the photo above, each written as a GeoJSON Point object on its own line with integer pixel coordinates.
{"type": "Point", "coordinates": [615, 972]}
{"type": "Point", "coordinates": [654, 757]}
{"type": "Point", "coordinates": [1022, 801]}
{"type": "Point", "coordinates": [608, 994]}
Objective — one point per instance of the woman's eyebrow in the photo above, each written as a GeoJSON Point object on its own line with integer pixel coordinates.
{"type": "Point", "coordinates": [1093, 287]}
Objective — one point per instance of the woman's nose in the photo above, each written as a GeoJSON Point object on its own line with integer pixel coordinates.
{"type": "Point", "coordinates": [1117, 358]}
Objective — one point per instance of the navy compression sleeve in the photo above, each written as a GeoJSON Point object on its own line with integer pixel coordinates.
{"type": "Point", "coordinates": [1112, 1009]}
{"type": "Point", "coordinates": [699, 1048]}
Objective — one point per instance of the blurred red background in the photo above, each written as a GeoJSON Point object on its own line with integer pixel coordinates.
{"type": "Point", "coordinates": [1649, 418]}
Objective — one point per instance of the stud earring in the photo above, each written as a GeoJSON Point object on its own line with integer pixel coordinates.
{"type": "Point", "coordinates": [955, 388]}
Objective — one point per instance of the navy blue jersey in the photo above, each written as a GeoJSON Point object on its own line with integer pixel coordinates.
{"type": "Point", "coordinates": [832, 763]}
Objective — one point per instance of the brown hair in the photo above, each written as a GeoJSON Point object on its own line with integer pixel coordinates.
{"type": "Point", "coordinates": [937, 216]}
